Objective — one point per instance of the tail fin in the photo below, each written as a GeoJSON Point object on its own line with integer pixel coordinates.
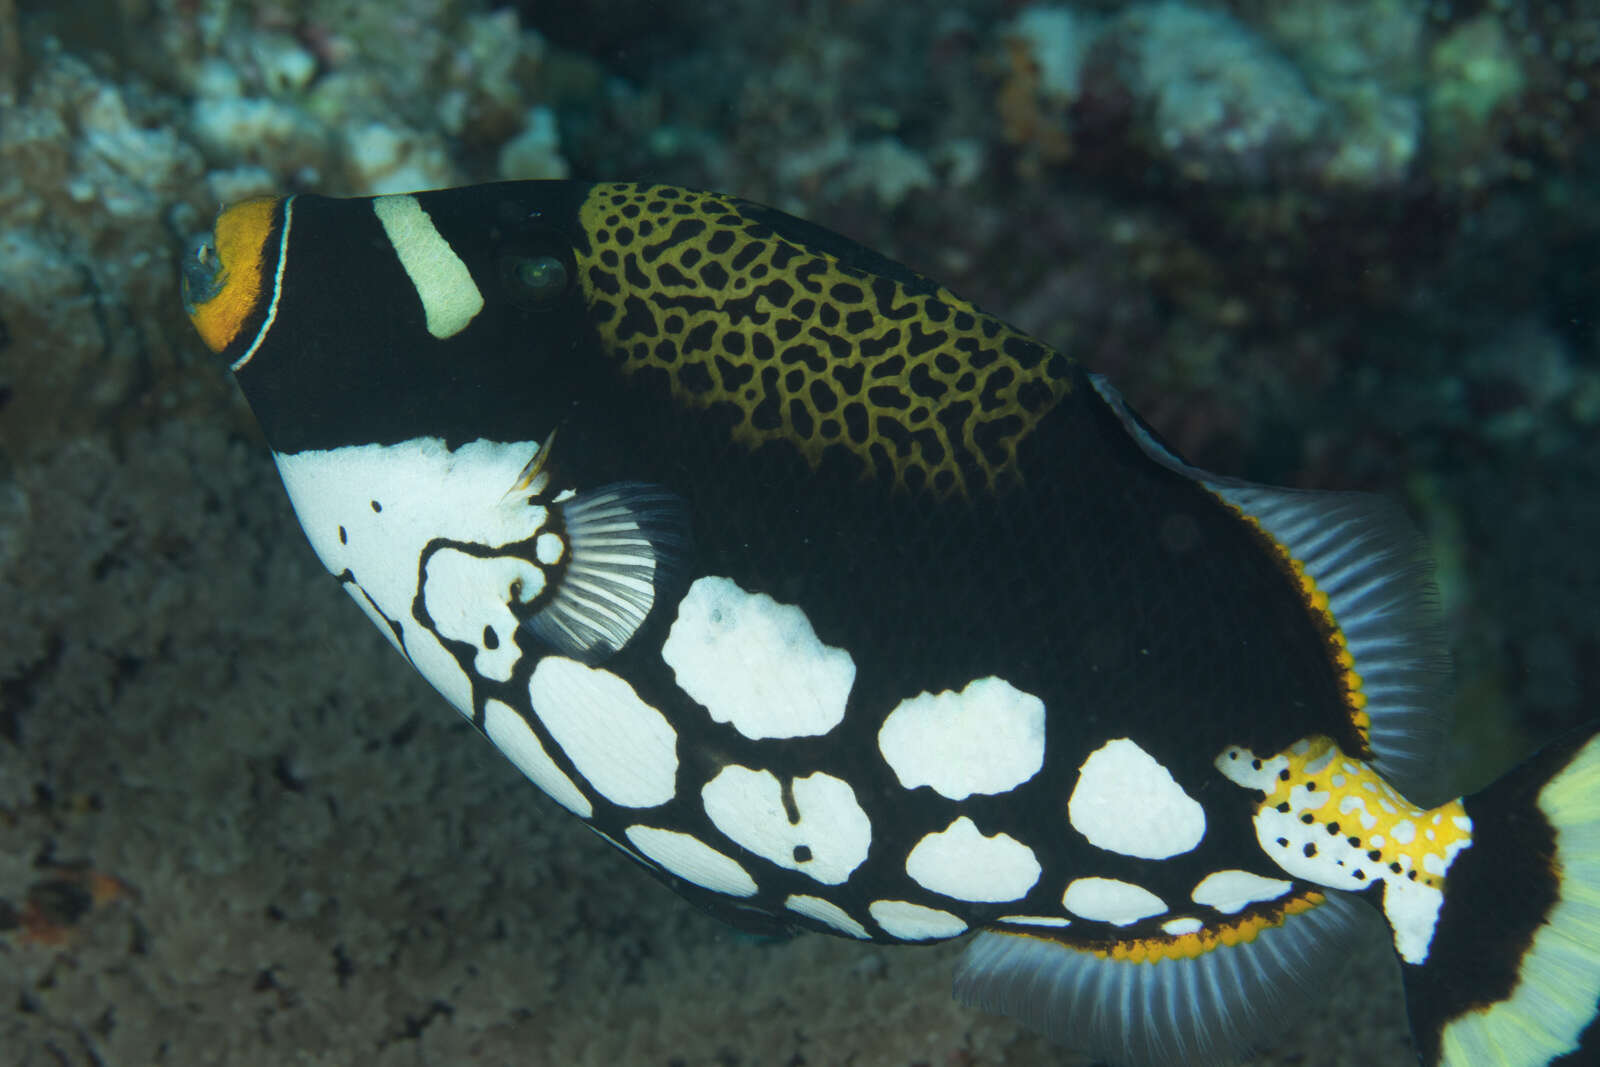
{"type": "Point", "coordinates": [1512, 975]}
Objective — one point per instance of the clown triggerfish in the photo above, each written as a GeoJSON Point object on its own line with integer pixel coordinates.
{"type": "Point", "coordinates": [838, 604]}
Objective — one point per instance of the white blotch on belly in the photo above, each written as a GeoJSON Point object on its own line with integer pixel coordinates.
{"type": "Point", "coordinates": [466, 595]}
{"type": "Point", "coordinates": [370, 511]}
{"type": "Point", "coordinates": [512, 735]}
{"type": "Point", "coordinates": [693, 860]}
{"type": "Point", "coordinates": [1111, 900]}
{"type": "Point", "coordinates": [1230, 891]}
{"type": "Point", "coordinates": [1127, 802]}
{"type": "Point", "coordinates": [913, 922]}
{"type": "Point", "coordinates": [961, 862]}
{"type": "Point", "coordinates": [988, 738]}
{"type": "Point", "coordinates": [825, 911]}
{"type": "Point", "coordinates": [756, 663]}
{"type": "Point", "coordinates": [829, 840]}
{"type": "Point", "coordinates": [623, 746]}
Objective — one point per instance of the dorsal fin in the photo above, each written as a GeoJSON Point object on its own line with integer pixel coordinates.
{"type": "Point", "coordinates": [1362, 553]}
{"type": "Point", "coordinates": [1206, 1009]}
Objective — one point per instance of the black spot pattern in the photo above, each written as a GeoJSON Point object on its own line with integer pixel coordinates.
{"type": "Point", "coordinates": [919, 385]}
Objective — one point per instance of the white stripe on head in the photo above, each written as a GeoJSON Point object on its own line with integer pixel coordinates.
{"type": "Point", "coordinates": [450, 298]}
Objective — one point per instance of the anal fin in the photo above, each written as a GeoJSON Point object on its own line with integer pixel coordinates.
{"type": "Point", "coordinates": [1208, 1008]}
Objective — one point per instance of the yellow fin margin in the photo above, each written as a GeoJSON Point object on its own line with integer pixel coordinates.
{"type": "Point", "coordinates": [1231, 932]}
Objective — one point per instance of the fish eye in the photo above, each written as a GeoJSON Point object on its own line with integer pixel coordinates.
{"type": "Point", "coordinates": [538, 280]}
{"type": "Point", "coordinates": [201, 276]}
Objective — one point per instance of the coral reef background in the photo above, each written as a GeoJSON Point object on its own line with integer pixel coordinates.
{"type": "Point", "coordinates": [1324, 243]}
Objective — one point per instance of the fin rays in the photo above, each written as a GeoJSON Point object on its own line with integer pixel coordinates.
{"type": "Point", "coordinates": [626, 541]}
{"type": "Point", "coordinates": [1365, 555]}
{"type": "Point", "coordinates": [1203, 1010]}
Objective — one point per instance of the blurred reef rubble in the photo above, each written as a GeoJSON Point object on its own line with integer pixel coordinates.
{"type": "Point", "coordinates": [1325, 243]}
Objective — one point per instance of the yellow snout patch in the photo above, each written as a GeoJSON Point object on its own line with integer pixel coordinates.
{"type": "Point", "coordinates": [238, 251]}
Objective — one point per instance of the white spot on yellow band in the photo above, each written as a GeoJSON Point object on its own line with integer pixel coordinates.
{"type": "Point", "coordinates": [450, 298]}
{"type": "Point", "coordinates": [1352, 835]}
